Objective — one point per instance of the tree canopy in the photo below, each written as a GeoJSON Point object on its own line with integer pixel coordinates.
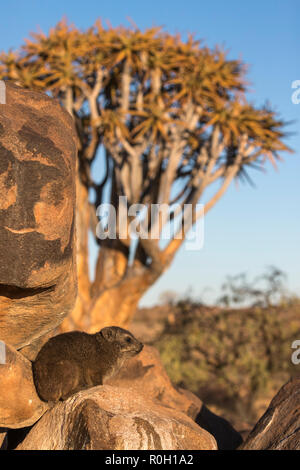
{"type": "Point", "coordinates": [171, 115]}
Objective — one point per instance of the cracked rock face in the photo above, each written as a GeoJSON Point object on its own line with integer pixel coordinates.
{"type": "Point", "coordinates": [279, 427]}
{"type": "Point", "coordinates": [108, 417]}
{"type": "Point", "coordinates": [37, 205]}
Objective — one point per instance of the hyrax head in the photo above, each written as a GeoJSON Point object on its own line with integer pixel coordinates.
{"type": "Point", "coordinates": [121, 340]}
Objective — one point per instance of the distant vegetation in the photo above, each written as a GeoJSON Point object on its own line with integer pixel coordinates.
{"type": "Point", "coordinates": [234, 358]}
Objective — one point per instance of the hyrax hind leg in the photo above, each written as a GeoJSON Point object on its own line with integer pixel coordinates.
{"type": "Point", "coordinates": [55, 381]}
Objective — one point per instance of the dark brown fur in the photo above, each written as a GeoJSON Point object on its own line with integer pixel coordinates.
{"type": "Point", "coordinates": [75, 361]}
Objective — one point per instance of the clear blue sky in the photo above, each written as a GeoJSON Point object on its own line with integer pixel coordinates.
{"type": "Point", "coordinates": [249, 228]}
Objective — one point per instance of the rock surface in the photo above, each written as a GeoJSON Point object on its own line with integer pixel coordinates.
{"type": "Point", "coordinates": [20, 405]}
{"type": "Point", "coordinates": [37, 205]}
{"type": "Point", "coordinates": [146, 374]}
{"type": "Point", "coordinates": [279, 427]}
{"type": "Point", "coordinates": [108, 417]}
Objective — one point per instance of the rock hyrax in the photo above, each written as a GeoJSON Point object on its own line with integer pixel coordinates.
{"type": "Point", "coordinates": [75, 361]}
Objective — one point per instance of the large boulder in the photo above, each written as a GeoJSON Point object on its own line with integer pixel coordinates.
{"type": "Point", "coordinates": [37, 205]}
{"type": "Point", "coordinates": [108, 417]}
{"type": "Point", "coordinates": [146, 375]}
{"type": "Point", "coordinates": [279, 427]}
{"type": "Point", "coordinates": [20, 405]}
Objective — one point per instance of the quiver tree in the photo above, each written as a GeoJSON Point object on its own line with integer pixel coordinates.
{"type": "Point", "coordinates": [168, 118]}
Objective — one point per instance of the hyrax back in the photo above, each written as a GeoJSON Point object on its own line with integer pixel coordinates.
{"type": "Point", "coordinates": [75, 361]}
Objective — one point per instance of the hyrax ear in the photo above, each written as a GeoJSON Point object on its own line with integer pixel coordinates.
{"type": "Point", "coordinates": [108, 333]}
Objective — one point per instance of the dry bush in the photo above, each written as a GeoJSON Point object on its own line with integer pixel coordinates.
{"type": "Point", "coordinates": [234, 358]}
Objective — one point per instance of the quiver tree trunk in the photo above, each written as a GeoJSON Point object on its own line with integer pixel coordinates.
{"type": "Point", "coordinates": [112, 297]}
